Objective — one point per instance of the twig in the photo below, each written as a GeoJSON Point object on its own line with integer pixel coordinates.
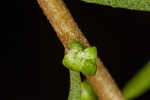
{"type": "Point", "coordinates": [67, 30]}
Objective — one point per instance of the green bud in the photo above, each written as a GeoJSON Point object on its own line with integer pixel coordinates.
{"type": "Point", "coordinates": [76, 45]}
{"type": "Point", "coordinates": [87, 93]}
{"type": "Point", "coordinates": [80, 59]}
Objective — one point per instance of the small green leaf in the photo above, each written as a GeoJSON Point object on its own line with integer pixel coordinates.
{"type": "Point", "coordinates": [87, 93]}
{"type": "Point", "coordinates": [139, 84]}
{"type": "Point", "coordinates": [80, 59]}
{"type": "Point", "coordinates": [143, 5]}
{"type": "Point", "coordinates": [76, 45]}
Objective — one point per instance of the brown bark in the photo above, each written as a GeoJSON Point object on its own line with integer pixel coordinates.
{"type": "Point", "coordinates": [67, 30]}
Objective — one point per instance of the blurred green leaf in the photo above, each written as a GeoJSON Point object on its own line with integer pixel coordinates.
{"type": "Point", "coordinates": [143, 5]}
{"type": "Point", "coordinates": [87, 92]}
{"type": "Point", "coordinates": [139, 84]}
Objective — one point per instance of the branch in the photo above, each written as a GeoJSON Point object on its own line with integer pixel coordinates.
{"type": "Point", "coordinates": [67, 30]}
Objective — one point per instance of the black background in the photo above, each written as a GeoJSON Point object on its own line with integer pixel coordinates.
{"type": "Point", "coordinates": [31, 54]}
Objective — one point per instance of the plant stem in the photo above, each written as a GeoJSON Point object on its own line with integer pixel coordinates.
{"type": "Point", "coordinates": [75, 90]}
{"type": "Point", "coordinates": [67, 30]}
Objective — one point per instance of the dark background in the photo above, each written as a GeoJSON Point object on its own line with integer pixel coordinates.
{"type": "Point", "coordinates": [31, 54]}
